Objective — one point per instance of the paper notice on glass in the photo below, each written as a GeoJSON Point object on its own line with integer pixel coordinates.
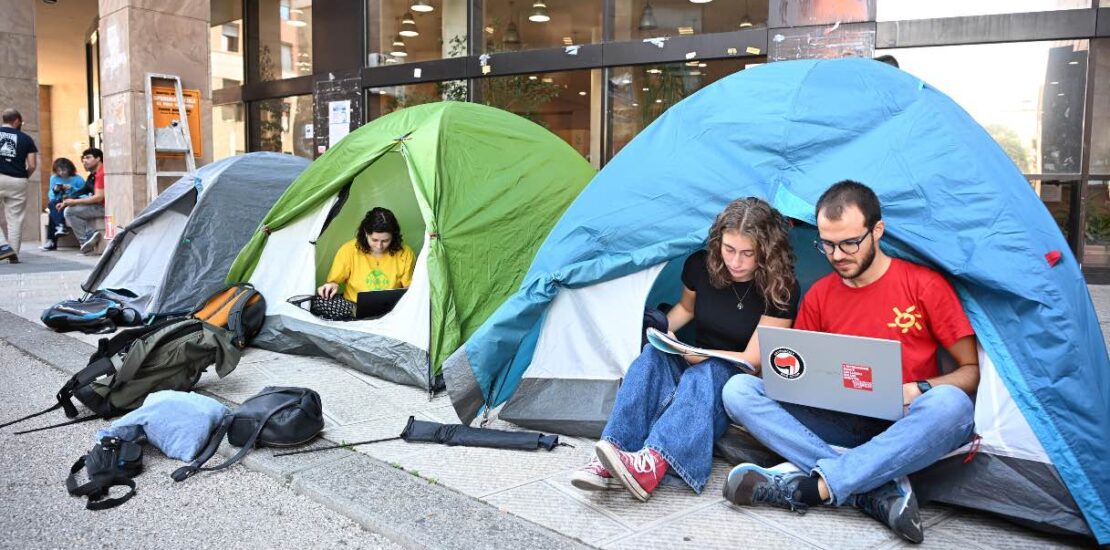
{"type": "Point", "coordinates": [337, 132]}
{"type": "Point", "coordinates": [339, 112]}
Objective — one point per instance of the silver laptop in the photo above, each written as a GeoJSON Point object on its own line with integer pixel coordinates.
{"type": "Point", "coordinates": [841, 373]}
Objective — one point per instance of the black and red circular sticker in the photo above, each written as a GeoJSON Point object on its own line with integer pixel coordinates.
{"type": "Point", "coordinates": [787, 363]}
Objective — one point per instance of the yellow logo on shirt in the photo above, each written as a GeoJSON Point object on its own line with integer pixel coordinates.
{"type": "Point", "coordinates": [906, 320]}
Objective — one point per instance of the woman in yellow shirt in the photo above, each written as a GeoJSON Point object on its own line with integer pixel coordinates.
{"type": "Point", "coordinates": [376, 259]}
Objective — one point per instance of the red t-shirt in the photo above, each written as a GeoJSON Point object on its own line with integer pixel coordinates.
{"type": "Point", "coordinates": [909, 303]}
{"type": "Point", "coordinates": [99, 184]}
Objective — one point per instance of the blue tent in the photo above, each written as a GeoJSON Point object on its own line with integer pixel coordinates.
{"type": "Point", "coordinates": [555, 352]}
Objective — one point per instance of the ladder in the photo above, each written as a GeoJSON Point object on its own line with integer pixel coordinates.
{"type": "Point", "coordinates": [174, 138]}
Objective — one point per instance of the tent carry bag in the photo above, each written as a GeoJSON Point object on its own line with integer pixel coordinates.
{"type": "Point", "coordinates": [276, 417]}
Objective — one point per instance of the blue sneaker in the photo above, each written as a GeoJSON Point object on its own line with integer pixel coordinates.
{"type": "Point", "coordinates": [894, 505]}
{"type": "Point", "coordinates": [749, 484]}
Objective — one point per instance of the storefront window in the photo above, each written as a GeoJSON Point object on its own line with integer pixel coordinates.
{"type": "Point", "coordinates": [225, 43]}
{"type": "Point", "coordinates": [1096, 246]}
{"type": "Point", "coordinates": [798, 13]}
{"type": "Point", "coordinates": [1029, 96]}
{"type": "Point", "coordinates": [511, 25]}
{"type": "Point", "coordinates": [1100, 114]}
{"type": "Point", "coordinates": [901, 10]}
{"type": "Point", "coordinates": [403, 31]}
{"type": "Point", "coordinates": [639, 19]}
{"type": "Point", "coordinates": [566, 103]}
{"type": "Point", "coordinates": [382, 101]}
{"type": "Point", "coordinates": [638, 95]}
{"type": "Point", "coordinates": [285, 126]}
{"type": "Point", "coordinates": [285, 39]}
{"type": "Point", "coordinates": [229, 131]}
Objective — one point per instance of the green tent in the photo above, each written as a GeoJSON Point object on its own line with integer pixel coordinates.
{"type": "Point", "coordinates": [476, 190]}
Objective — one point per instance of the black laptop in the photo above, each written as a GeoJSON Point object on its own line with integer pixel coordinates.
{"type": "Point", "coordinates": [377, 303]}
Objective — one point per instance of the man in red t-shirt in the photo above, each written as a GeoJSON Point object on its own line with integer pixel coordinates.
{"type": "Point", "coordinates": [81, 212]}
{"type": "Point", "coordinates": [873, 295]}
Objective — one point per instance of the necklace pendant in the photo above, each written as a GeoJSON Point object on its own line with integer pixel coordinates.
{"type": "Point", "coordinates": [739, 305]}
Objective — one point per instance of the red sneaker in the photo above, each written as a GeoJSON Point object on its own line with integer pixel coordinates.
{"type": "Point", "coordinates": [640, 472]}
{"type": "Point", "coordinates": [593, 477]}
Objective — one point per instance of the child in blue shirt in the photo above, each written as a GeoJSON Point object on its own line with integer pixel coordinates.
{"type": "Point", "coordinates": [65, 183]}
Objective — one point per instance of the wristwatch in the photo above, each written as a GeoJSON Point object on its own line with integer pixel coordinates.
{"type": "Point", "coordinates": [923, 386]}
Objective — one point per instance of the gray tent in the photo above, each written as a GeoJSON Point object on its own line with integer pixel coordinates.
{"type": "Point", "coordinates": [179, 249]}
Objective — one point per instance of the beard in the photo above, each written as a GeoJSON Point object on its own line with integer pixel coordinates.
{"type": "Point", "coordinates": [862, 266]}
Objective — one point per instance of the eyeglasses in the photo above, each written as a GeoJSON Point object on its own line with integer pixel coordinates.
{"type": "Point", "coordinates": [847, 246]}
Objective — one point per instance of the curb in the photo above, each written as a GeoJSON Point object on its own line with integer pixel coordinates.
{"type": "Point", "coordinates": [381, 498]}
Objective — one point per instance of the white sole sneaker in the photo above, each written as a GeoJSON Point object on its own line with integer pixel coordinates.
{"type": "Point", "coordinates": [587, 481]}
{"type": "Point", "coordinates": [609, 456]}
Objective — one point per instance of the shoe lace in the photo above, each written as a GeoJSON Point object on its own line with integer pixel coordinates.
{"type": "Point", "coordinates": [778, 491]}
{"type": "Point", "coordinates": [643, 462]}
{"type": "Point", "coordinates": [595, 466]}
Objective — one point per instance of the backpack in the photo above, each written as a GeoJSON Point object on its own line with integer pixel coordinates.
{"type": "Point", "coordinates": [276, 417]}
{"type": "Point", "coordinates": [96, 314]}
{"type": "Point", "coordinates": [239, 308]}
{"type": "Point", "coordinates": [170, 355]}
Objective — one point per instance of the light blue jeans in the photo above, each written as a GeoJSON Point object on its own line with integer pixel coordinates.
{"type": "Point", "coordinates": [673, 407]}
{"type": "Point", "coordinates": [937, 423]}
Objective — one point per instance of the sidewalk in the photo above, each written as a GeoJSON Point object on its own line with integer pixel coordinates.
{"type": "Point", "coordinates": [469, 497]}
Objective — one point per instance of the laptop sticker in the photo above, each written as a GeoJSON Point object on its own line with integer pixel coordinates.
{"type": "Point", "coordinates": [856, 377]}
{"type": "Point", "coordinates": [787, 363]}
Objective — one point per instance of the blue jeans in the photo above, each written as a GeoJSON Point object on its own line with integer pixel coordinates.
{"type": "Point", "coordinates": [938, 422]}
{"type": "Point", "coordinates": [56, 219]}
{"type": "Point", "coordinates": [672, 407]}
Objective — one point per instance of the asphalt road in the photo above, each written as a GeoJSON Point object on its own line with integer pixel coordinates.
{"type": "Point", "coordinates": [235, 508]}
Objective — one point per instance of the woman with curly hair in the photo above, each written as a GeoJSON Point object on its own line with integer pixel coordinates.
{"type": "Point", "coordinates": [376, 259]}
{"type": "Point", "coordinates": [668, 411]}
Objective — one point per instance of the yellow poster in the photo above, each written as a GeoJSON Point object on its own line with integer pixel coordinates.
{"type": "Point", "coordinates": [165, 112]}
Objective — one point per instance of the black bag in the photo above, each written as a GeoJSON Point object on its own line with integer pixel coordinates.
{"type": "Point", "coordinates": [96, 314]}
{"type": "Point", "coordinates": [336, 308]}
{"type": "Point", "coordinates": [111, 463]}
{"type": "Point", "coordinates": [127, 367]}
{"type": "Point", "coordinates": [275, 417]}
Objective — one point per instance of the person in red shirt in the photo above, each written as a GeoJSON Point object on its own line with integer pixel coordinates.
{"type": "Point", "coordinates": [81, 212]}
{"type": "Point", "coordinates": [869, 294]}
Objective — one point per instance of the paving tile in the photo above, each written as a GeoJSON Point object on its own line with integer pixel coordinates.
{"type": "Point", "coordinates": [380, 428]}
{"type": "Point", "coordinates": [831, 527]}
{"type": "Point", "coordinates": [479, 471]}
{"type": "Point", "coordinates": [543, 504]}
{"type": "Point", "coordinates": [666, 501]}
{"type": "Point", "coordinates": [991, 532]}
{"type": "Point", "coordinates": [933, 541]}
{"type": "Point", "coordinates": [714, 526]}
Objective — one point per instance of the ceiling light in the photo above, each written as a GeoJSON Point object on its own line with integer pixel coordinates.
{"type": "Point", "coordinates": [647, 19]}
{"type": "Point", "coordinates": [691, 63]}
{"type": "Point", "coordinates": [532, 77]}
{"type": "Point", "coordinates": [655, 70]}
{"type": "Point", "coordinates": [489, 30]}
{"type": "Point", "coordinates": [1073, 62]}
{"type": "Point", "coordinates": [539, 12]}
{"type": "Point", "coordinates": [408, 25]}
{"type": "Point", "coordinates": [745, 22]}
{"type": "Point", "coordinates": [695, 73]}
{"type": "Point", "coordinates": [1053, 83]}
{"type": "Point", "coordinates": [635, 104]}
{"type": "Point", "coordinates": [512, 37]}
{"type": "Point", "coordinates": [645, 89]}
{"type": "Point", "coordinates": [547, 80]}
{"type": "Point", "coordinates": [584, 93]}
{"type": "Point", "coordinates": [700, 1]}
{"type": "Point", "coordinates": [702, 65]}
{"type": "Point", "coordinates": [659, 101]}
{"type": "Point", "coordinates": [686, 30]}
{"type": "Point", "coordinates": [568, 40]}
{"type": "Point", "coordinates": [422, 6]}
{"type": "Point", "coordinates": [398, 49]}
{"type": "Point", "coordinates": [1061, 94]}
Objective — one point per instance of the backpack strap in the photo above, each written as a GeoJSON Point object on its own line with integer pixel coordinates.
{"type": "Point", "coordinates": [235, 316]}
{"type": "Point", "coordinates": [97, 488]}
{"type": "Point", "coordinates": [185, 472]}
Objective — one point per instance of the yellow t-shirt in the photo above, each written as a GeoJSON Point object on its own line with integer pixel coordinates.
{"type": "Point", "coordinates": [365, 272]}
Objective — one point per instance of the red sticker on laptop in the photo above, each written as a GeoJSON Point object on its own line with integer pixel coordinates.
{"type": "Point", "coordinates": [856, 377]}
{"type": "Point", "coordinates": [787, 363]}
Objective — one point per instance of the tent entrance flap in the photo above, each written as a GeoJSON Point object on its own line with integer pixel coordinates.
{"type": "Point", "coordinates": [383, 183]}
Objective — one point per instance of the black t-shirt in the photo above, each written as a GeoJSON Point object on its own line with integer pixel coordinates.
{"type": "Point", "coordinates": [14, 148]}
{"type": "Point", "coordinates": [717, 320]}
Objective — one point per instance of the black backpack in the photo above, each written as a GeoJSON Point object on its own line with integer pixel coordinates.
{"type": "Point", "coordinates": [275, 417]}
{"type": "Point", "coordinates": [96, 314]}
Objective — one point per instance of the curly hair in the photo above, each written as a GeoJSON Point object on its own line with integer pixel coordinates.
{"type": "Point", "coordinates": [65, 165]}
{"type": "Point", "coordinates": [379, 220]}
{"type": "Point", "coordinates": [769, 232]}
